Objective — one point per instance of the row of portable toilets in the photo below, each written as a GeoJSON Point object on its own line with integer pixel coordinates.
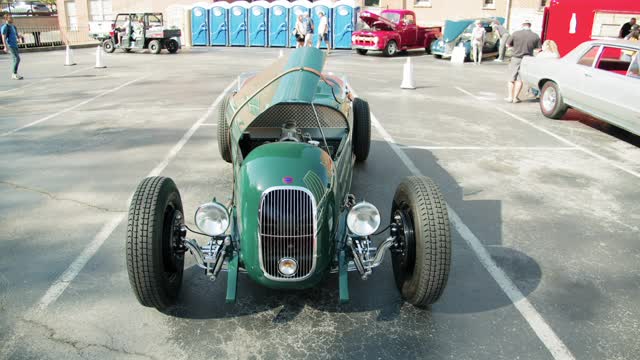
{"type": "Point", "coordinates": [261, 23]}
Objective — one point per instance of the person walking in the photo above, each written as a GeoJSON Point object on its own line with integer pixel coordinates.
{"type": "Point", "coordinates": [523, 43]}
{"type": "Point", "coordinates": [477, 42]}
{"type": "Point", "coordinates": [10, 41]}
{"type": "Point", "coordinates": [503, 34]}
{"type": "Point", "coordinates": [626, 28]}
{"type": "Point", "coordinates": [299, 32]}
{"type": "Point", "coordinates": [323, 31]}
{"type": "Point", "coordinates": [308, 37]}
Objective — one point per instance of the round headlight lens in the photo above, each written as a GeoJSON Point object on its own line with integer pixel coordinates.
{"type": "Point", "coordinates": [212, 218]}
{"type": "Point", "coordinates": [287, 266]}
{"type": "Point", "coordinates": [363, 219]}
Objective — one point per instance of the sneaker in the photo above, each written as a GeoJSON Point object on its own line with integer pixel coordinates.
{"type": "Point", "coordinates": [516, 100]}
{"type": "Point", "coordinates": [16, 77]}
{"type": "Point", "coordinates": [508, 99]}
{"type": "Point", "coordinates": [498, 60]}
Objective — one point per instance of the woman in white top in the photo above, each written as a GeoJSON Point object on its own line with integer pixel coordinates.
{"type": "Point", "coordinates": [300, 32]}
{"type": "Point", "coordinates": [477, 41]}
{"type": "Point", "coordinates": [549, 50]}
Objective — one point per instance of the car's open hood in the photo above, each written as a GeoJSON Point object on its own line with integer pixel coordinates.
{"type": "Point", "coordinates": [453, 29]}
{"type": "Point", "coordinates": [373, 19]}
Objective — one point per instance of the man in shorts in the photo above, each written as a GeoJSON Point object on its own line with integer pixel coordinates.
{"type": "Point", "coordinates": [523, 43]}
{"type": "Point", "coordinates": [323, 31]}
{"type": "Point", "coordinates": [308, 38]}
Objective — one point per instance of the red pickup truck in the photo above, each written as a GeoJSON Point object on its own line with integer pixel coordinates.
{"type": "Point", "coordinates": [391, 32]}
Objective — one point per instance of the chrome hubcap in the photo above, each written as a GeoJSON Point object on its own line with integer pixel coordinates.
{"type": "Point", "coordinates": [549, 99]}
{"type": "Point", "coordinates": [392, 48]}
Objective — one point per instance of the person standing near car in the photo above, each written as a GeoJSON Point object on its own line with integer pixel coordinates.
{"type": "Point", "coordinates": [503, 34]}
{"type": "Point", "coordinates": [626, 28]}
{"type": "Point", "coordinates": [523, 43]}
{"type": "Point", "coordinates": [10, 41]}
{"type": "Point", "coordinates": [299, 32]}
{"type": "Point", "coordinates": [477, 42]}
{"type": "Point", "coordinates": [323, 31]}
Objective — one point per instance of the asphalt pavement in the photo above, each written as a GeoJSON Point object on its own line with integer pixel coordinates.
{"type": "Point", "coordinates": [545, 215]}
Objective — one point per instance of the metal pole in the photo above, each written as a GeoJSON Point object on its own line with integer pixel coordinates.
{"type": "Point", "coordinates": [507, 16]}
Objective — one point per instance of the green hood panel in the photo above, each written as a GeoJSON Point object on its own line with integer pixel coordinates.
{"type": "Point", "coordinates": [285, 164]}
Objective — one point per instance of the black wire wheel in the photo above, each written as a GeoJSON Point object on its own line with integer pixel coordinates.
{"type": "Point", "coordinates": [422, 256]}
{"type": "Point", "coordinates": [361, 129]}
{"type": "Point", "coordinates": [154, 249]}
{"type": "Point", "coordinates": [224, 136]}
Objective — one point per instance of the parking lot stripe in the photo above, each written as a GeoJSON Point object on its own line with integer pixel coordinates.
{"type": "Point", "coordinates": [498, 148]}
{"type": "Point", "coordinates": [49, 117]}
{"type": "Point", "coordinates": [43, 80]}
{"type": "Point", "coordinates": [545, 333]}
{"type": "Point", "coordinates": [558, 137]}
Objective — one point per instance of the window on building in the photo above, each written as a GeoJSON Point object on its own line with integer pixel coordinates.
{"type": "Point", "coordinates": [608, 24]}
{"type": "Point", "coordinates": [489, 4]}
{"type": "Point", "coordinates": [72, 15]}
{"type": "Point", "coordinates": [372, 3]}
{"type": "Point", "coordinates": [419, 3]}
{"type": "Point", "coordinates": [100, 10]}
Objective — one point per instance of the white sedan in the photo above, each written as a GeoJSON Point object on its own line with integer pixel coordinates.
{"type": "Point", "coordinates": [600, 78]}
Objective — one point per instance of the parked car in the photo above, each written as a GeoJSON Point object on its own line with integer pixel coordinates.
{"type": "Point", "coordinates": [292, 134]}
{"type": "Point", "coordinates": [600, 78]}
{"type": "Point", "coordinates": [27, 8]}
{"type": "Point", "coordinates": [391, 32]}
{"type": "Point", "coordinates": [458, 33]}
{"type": "Point", "coordinates": [136, 31]}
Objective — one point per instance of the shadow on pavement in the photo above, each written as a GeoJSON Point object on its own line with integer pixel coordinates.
{"type": "Point", "coordinates": [618, 133]}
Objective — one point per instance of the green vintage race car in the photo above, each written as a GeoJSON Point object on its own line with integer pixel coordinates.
{"type": "Point", "coordinates": [292, 134]}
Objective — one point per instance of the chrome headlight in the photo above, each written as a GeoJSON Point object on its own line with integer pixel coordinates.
{"type": "Point", "coordinates": [212, 218]}
{"type": "Point", "coordinates": [375, 40]}
{"type": "Point", "coordinates": [353, 38]}
{"type": "Point", "coordinates": [287, 266]}
{"type": "Point", "coordinates": [363, 219]}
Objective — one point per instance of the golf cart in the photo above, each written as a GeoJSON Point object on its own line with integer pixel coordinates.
{"type": "Point", "coordinates": [139, 31]}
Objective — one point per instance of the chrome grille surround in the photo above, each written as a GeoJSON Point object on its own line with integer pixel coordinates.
{"type": "Point", "coordinates": [292, 235]}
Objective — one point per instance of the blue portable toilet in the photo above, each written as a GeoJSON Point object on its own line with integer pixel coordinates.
{"type": "Point", "coordinates": [298, 7]}
{"type": "Point", "coordinates": [238, 29]}
{"type": "Point", "coordinates": [343, 24]}
{"type": "Point", "coordinates": [325, 7]}
{"type": "Point", "coordinates": [258, 23]}
{"type": "Point", "coordinates": [218, 27]}
{"type": "Point", "coordinates": [278, 24]}
{"type": "Point", "coordinates": [199, 26]}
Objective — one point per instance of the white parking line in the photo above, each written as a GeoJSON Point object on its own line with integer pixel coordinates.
{"type": "Point", "coordinates": [49, 117]}
{"type": "Point", "coordinates": [43, 80]}
{"type": "Point", "coordinates": [562, 139]}
{"type": "Point", "coordinates": [62, 282]}
{"type": "Point", "coordinates": [491, 148]}
{"type": "Point", "coordinates": [545, 333]}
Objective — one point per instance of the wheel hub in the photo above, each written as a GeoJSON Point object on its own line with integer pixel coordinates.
{"type": "Point", "coordinates": [549, 99]}
{"type": "Point", "coordinates": [405, 244]}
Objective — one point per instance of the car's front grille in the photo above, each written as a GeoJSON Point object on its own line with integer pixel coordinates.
{"type": "Point", "coordinates": [287, 230]}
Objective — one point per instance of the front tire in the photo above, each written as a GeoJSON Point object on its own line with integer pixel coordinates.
{"type": "Point", "coordinates": [155, 47]}
{"type": "Point", "coordinates": [361, 129]}
{"type": "Point", "coordinates": [154, 263]}
{"type": "Point", "coordinates": [551, 102]}
{"type": "Point", "coordinates": [421, 263]}
{"type": "Point", "coordinates": [391, 49]}
{"type": "Point", "coordinates": [224, 141]}
{"type": "Point", "coordinates": [362, 51]}
{"type": "Point", "coordinates": [108, 46]}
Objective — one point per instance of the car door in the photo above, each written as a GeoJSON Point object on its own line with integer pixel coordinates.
{"type": "Point", "coordinates": [615, 92]}
{"type": "Point", "coordinates": [575, 79]}
{"type": "Point", "coordinates": [408, 31]}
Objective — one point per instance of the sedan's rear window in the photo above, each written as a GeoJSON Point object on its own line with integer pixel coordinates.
{"type": "Point", "coordinates": [588, 58]}
{"type": "Point", "coordinates": [615, 60]}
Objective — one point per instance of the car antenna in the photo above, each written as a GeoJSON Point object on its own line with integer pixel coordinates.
{"type": "Point", "coordinates": [320, 127]}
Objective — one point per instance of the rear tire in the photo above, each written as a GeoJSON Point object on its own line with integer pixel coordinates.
{"type": "Point", "coordinates": [437, 56]}
{"type": "Point", "coordinates": [421, 265]}
{"type": "Point", "coordinates": [155, 267]}
{"type": "Point", "coordinates": [224, 141]}
{"type": "Point", "coordinates": [361, 129]}
{"type": "Point", "coordinates": [551, 102]}
{"type": "Point", "coordinates": [172, 46]}
{"type": "Point", "coordinates": [108, 46]}
{"type": "Point", "coordinates": [155, 47]}
{"type": "Point", "coordinates": [362, 51]}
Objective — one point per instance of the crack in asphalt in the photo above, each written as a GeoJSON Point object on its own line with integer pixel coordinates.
{"type": "Point", "coordinates": [57, 198]}
{"type": "Point", "coordinates": [80, 346]}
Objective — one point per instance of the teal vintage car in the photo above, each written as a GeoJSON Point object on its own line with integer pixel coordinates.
{"type": "Point", "coordinates": [458, 33]}
{"type": "Point", "coordinates": [292, 134]}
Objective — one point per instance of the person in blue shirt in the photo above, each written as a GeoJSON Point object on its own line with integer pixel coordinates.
{"type": "Point", "coordinates": [10, 41]}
